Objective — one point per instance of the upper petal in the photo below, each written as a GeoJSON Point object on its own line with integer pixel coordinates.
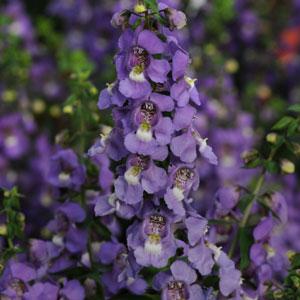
{"type": "Point", "coordinates": [150, 41]}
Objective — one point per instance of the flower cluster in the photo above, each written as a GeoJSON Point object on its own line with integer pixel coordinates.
{"type": "Point", "coordinates": [158, 150]}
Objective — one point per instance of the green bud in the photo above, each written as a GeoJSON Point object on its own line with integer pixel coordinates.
{"type": "Point", "coordinates": [287, 166]}
{"type": "Point", "coordinates": [272, 138]}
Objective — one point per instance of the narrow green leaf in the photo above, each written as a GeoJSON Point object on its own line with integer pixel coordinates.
{"type": "Point", "coordinates": [283, 123]}
{"type": "Point", "coordinates": [295, 108]}
{"type": "Point", "coordinates": [245, 241]}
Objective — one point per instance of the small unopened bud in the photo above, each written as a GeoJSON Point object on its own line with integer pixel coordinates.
{"type": "Point", "coordinates": [55, 111]}
{"type": "Point", "coordinates": [68, 109]}
{"type": "Point", "coordinates": [120, 19]}
{"type": "Point", "coordinates": [287, 166]}
{"type": "Point", "coordinates": [38, 106]}
{"type": "Point", "coordinates": [176, 18]}
{"type": "Point", "coordinates": [264, 92]}
{"type": "Point", "coordinates": [9, 95]}
{"type": "Point", "coordinates": [290, 254]}
{"type": "Point", "coordinates": [3, 229]}
{"type": "Point", "coordinates": [93, 90]}
{"type": "Point", "coordinates": [249, 156]}
{"type": "Point", "coordinates": [271, 138]}
{"type": "Point", "coordinates": [231, 66]}
{"type": "Point", "coordinates": [140, 8]}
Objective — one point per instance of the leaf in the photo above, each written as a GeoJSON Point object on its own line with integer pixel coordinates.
{"type": "Point", "coordinates": [292, 128]}
{"type": "Point", "coordinates": [294, 108]}
{"type": "Point", "coordinates": [296, 261]}
{"type": "Point", "coordinates": [245, 241]}
{"type": "Point", "coordinates": [283, 123]}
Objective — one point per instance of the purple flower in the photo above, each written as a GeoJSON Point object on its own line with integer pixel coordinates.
{"type": "Point", "coordinates": [152, 239]}
{"type": "Point", "coordinates": [201, 258]}
{"type": "Point", "coordinates": [39, 290]}
{"type": "Point", "coordinates": [65, 170]}
{"type": "Point", "coordinates": [151, 130]}
{"type": "Point", "coordinates": [264, 229]}
{"type": "Point", "coordinates": [14, 141]}
{"type": "Point", "coordinates": [179, 283]}
{"type": "Point", "coordinates": [184, 90]}
{"type": "Point", "coordinates": [15, 279]}
{"type": "Point", "coordinates": [136, 64]}
{"type": "Point", "coordinates": [181, 180]}
{"type": "Point", "coordinates": [111, 96]}
{"type": "Point", "coordinates": [258, 254]}
{"type": "Point", "coordinates": [73, 290]}
{"type": "Point", "coordinates": [124, 273]}
{"type": "Point", "coordinates": [176, 18]}
{"type": "Point", "coordinates": [227, 198]}
{"type": "Point", "coordinates": [185, 147]}
{"type": "Point", "coordinates": [110, 204]}
{"type": "Point", "coordinates": [64, 227]}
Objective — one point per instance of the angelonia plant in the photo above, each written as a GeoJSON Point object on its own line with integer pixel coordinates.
{"type": "Point", "coordinates": [158, 206]}
{"type": "Point", "coordinates": [157, 150]}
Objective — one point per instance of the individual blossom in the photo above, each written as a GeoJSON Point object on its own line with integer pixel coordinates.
{"type": "Point", "coordinates": [65, 232]}
{"type": "Point", "coordinates": [124, 273]}
{"type": "Point", "coordinates": [14, 282]}
{"type": "Point", "coordinates": [151, 130]}
{"type": "Point", "coordinates": [109, 204]}
{"type": "Point", "coordinates": [65, 170]}
{"type": "Point", "coordinates": [182, 179]}
{"type": "Point", "coordinates": [14, 136]}
{"type": "Point", "coordinates": [136, 64]}
{"type": "Point", "coordinates": [152, 239]}
{"type": "Point", "coordinates": [179, 283]}
{"type": "Point", "coordinates": [141, 175]}
{"type": "Point", "coordinates": [186, 145]}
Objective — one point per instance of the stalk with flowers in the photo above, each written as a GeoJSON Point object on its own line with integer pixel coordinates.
{"type": "Point", "coordinates": [128, 218]}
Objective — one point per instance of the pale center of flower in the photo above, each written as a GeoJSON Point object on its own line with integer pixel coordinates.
{"type": "Point", "coordinates": [155, 230]}
{"type": "Point", "coordinates": [112, 199]}
{"type": "Point", "coordinates": [137, 74]}
{"type": "Point", "coordinates": [110, 87]}
{"type": "Point", "coordinates": [64, 177]}
{"type": "Point", "coordinates": [144, 132]}
{"type": "Point", "coordinates": [11, 141]}
{"type": "Point", "coordinates": [190, 81]}
{"type": "Point", "coordinates": [132, 175]}
{"type": "Point", "coordinates": [153, 244]}
{"type": "Point", "coordinates": [58, 240]}
{"type": "Point", "coordinates": [176, 290]}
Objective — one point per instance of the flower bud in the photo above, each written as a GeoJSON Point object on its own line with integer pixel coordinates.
{"type": "Point", "coordinates": [9, 95]}
{"type": "Point", "coordinates": [249, 156]}
{"type": "Point", "coordinates": [272, 138]}
{"type": "Point", "coordinates": [287, 166]}
{"type": "Point", "coordinates": [120, 19]}
{"type": "Point", "coordinates": [3, 229]}
{"type": "Point", "coordinates": [68, 109]}
{"type": "Point", "coordinates": [176, 18]}
{"type": "Point", "coordinates": [140, 8]}
{"type": "Point", "coordinates": [231, 66]}
{"type": "Point", "coordinates": [38, 106]}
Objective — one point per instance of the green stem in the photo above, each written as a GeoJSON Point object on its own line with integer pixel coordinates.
{"type": "Point", "coordinates": [249, 207]}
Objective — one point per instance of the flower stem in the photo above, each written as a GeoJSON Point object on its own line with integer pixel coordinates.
{"type": "Point", "coordinates": [247, 213]}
